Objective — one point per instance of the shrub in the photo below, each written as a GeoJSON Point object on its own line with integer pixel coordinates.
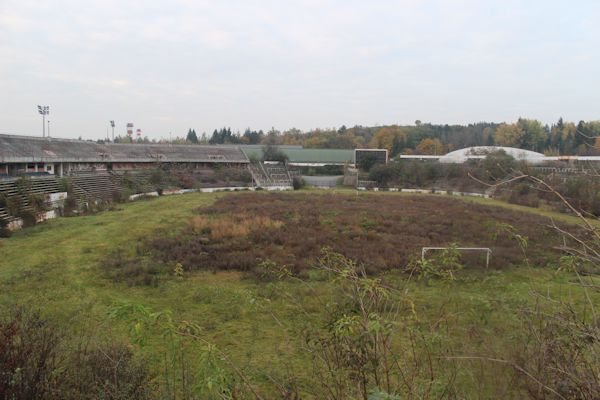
{"type": "Point", "coordinates": [14, 204]}
{"type": "Point", "coordinates": [233, 174]}
{"type": "Point", "coordinates": [28, 216]}
{"type": "Point", "coordinates": [273, 153]}
{"type": "Point", "coordinates": [65, 184]}
{"type": "Point", "coordinates": [133, 271]}
{"type": "Point", "coordinates": [524, 195]}
{"type": "Point", "coordinates": [583, 192]}
{"type": "Point", "coordinates": [384, 174]}
{"type": "Point", "coordinates": [24, 185]}
{"type": "Point", "coordinates": [498, 164]}
{"type": "Point", "coordinates": [70, 206]}
{"type": "Point", "coordinates": [356, 354]}
{"type": "Point", "coordinates": [268, 271]}
{"type": "Point", "coordinates": [4, 231]}
{"type": "Point", "coordinates": [128, 182]}
{"type": "Point", "coordinates": [37, 202]}
{"type": "Point", "coordinates": [444, 265]}
{"type": "Point", "coordinates": [120, 195]}
{"type": "Point", "coordinates": [36, 363]}
{"type": "Point", "coordinates": [187, 181]}
{"type": "Point", "coordinates": [298, 183]}
{"type": "Point", "coordinates": [107, 371]}
{"type": "Point", "coordinates": [157, 177]}
{"type": "Point", "coordinates": [561, 350]}
{"type": "Point", "coordinates": [29, 361]}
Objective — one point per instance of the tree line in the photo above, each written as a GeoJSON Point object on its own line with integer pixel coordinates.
{"type": "Point", "coordinates": [560, 138]}
{"type": "Point", "coordinates": [564, 138]}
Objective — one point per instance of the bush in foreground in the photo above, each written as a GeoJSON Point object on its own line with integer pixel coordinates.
{"type": "Point", "coordinates": [29, 358]}
{"type": "Point", "coordinates": [36, 362]}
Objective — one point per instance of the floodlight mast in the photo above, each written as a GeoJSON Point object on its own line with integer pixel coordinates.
{"type": "Point", "coordinates": [44, 110]}
{"type": "Point", "coordinates": [112, 125]}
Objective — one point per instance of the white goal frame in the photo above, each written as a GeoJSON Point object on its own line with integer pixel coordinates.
{"type": "Point", "coordinates": [487, 250]}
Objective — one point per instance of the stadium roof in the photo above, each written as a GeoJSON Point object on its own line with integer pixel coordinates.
{"type": "Point", "coordinates": [22, 149]}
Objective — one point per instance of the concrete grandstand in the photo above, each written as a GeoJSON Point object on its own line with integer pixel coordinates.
{"type": "Point", "coordinates": [39, 175]}
{"type": "Point", "coordinates": [25, 154]}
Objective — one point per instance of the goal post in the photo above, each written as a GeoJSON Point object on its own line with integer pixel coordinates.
{"type": "Point", "coordinates": [487, 250]}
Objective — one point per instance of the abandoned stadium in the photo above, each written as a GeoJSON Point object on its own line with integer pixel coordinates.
{"type": "Point", "coordinates": [49, 170]}
{"type": "Point", "coordinates": [40, 178]}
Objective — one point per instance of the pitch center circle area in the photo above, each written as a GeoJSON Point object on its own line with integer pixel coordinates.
{"type": "Point", "coordinates": [382, 232]}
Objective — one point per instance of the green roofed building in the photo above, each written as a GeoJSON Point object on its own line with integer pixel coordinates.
{"type": "Point", "coordinates": [306, 157]}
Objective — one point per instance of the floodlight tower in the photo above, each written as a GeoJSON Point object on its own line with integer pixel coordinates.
{"type": "Point", "coordinates": [44, 110]}
{"type": "Point", "coordinates": [112, 125]}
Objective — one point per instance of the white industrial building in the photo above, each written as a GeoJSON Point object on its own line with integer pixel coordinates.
{"type": "Point", "coordinates": [479, 152]}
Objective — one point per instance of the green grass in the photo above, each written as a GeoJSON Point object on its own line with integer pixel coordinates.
{"type": "Point", "coordinates": [54, 266]}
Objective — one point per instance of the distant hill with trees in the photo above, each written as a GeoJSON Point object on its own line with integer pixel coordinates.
{"type": "Point", "coordinates": [560, 138]}
{"type": "Point", "coordinates": [565, 138]}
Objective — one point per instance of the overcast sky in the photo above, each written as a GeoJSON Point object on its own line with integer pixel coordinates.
{"type": "Point", "coordinates": [171, 65]}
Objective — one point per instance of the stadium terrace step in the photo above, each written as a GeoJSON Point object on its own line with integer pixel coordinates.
{"type": "Point", "coordinates": [266, 175]}
{"type": "Point", "coordinates": [139, 181]}
{"type": "Point", "coordinates": [24, 188]}
{"type": "Point", "coordinates": [93, 187]}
